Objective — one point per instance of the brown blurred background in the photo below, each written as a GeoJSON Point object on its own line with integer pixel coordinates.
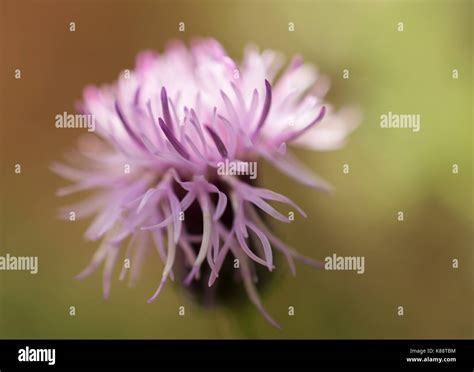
{"type": "Point", "coordinates": [407, 264]}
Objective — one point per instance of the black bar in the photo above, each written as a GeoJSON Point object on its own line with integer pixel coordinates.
{"type": "Point", "coordinates": [143, 355]}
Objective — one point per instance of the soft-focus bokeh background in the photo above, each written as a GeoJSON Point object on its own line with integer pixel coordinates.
{"type": "Point", "coordinates": [408, 264]}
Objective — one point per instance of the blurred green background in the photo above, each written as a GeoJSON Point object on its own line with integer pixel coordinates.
{"type": "Point", "coordinates": [407, 264]}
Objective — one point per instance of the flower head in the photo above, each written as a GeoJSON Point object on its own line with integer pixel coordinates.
{"type": "Point", "coordinates": [162, 134]}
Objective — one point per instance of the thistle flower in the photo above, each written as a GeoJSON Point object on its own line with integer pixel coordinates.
{"type": "Point", "coordinates": [161, 133]}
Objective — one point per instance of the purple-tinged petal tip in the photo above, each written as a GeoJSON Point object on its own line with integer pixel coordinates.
{"type": "Point", "coordinates": [266, 107]}
{"type": "Point", "coordinates": [166, 109]}
{"type": "Point", "coordinates": [218, 141]}
{"type": "Point", "coordinates": [172, 139]}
